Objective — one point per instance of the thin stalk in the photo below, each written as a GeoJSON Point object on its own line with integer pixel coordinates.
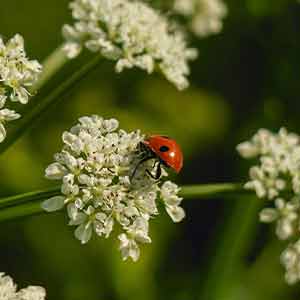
{"type": "Point", "coordinates": [36, 112]}
{"type": "Point", "coordinates": [51, 65]}
{"type": "Point", "coordinates": [11, 207]}
{"type": "Point", "coordinates": [211, 190]}
{"type": "Point", "coordinates": [231, 250]}
{"type": "Point", "coordinates": [22, 210]}
{"type": "Point", "coordinates": [29, 197]}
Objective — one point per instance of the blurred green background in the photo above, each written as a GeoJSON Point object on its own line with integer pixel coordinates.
{"type": "Point", "coordinates": [245, 78]}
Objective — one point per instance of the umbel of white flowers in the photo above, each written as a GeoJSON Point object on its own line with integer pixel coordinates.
{"type": "Point", "coordinates": [133, 34]}
{"type": "Point", "coordinates": [206, 16]}
{"type": "Point", "coordinates": [8, 290]}
{"type": "Point", "coordinates": [276, 177]}
{"type": "Point", "coordinates": [17, 73]}
{"type": "Point", "coordinates": [95, 166]}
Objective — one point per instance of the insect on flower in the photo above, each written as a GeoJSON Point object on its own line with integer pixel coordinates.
{"type": "Point", "coordinates": [94, 168]}
{"type": "Point", "coordinates": [164, 150]}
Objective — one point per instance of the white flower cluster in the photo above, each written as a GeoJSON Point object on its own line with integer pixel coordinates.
{"type": "Point", "coordinates": [277, 178]}
{"type": "Point", "coordinates": [17, 73]}
{"type": "Point", "coordinates": [95, 167]}
{"type": "Point", "coordinates": [8, 290]}
{"type": "Point", "coordinates": [131, 33]}
{"type": "Point", "coordinates": [206, 15]}
{"type": "Point", "coordinates": [279, 162]}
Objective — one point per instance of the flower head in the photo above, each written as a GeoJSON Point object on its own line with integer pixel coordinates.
{"type": "Point", "coordinates": [8, 290]}
{"type": "Point", "coordinates": [17, 73]}
{"type": "Point", "coordinates": [206, 15]}
{"type": "Point", "coordinates": [279, 163]}
{"type": "Point", "coordinates": [131, 33]}
{"type": "Point", "coordinates": [95, 168]}
{"type": "Point", "coordinates": [277, 177]}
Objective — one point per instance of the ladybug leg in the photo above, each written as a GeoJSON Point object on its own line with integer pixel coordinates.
{"type": "Point", "coordinates": [110, 170]}
{"type": "Point", "coordinates": [151, 175]}
{"type": "Point", "coordinates": [138, 164]}
{"type": "Point", "coordinates": [157, 174]}
{"type": "Point", "coordinates": [155, 162]}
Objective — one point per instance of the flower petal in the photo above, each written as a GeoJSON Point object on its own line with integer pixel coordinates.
{"type": "Point", "coordinates": [176, 213]}
{"type": "Point", "coordinates": [2, 133]}
{"type": "Point", "coordinates": [84, 232]}
{"type": "Point", "coordinates": [54, 203]}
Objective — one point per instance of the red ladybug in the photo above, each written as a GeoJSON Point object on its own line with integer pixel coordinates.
{"type": "Point", "coordinates": [165, 150]}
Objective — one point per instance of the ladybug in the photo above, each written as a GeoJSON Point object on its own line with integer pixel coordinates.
{"type": "Point", "coordinates": [166, 152]}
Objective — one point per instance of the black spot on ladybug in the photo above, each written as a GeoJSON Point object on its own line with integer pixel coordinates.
{"type": "Point", "coordinates": [164, 149]}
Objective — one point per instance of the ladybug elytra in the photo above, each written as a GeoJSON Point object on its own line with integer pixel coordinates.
{"type": "Point", "coordinates": [165, 150]}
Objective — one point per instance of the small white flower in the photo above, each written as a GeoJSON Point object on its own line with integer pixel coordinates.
{"type": "Point", "coordinates": [169, 194]}
{"type": "Point", "coordinates": [290, 259]}
{"type": "Point", "coordinates": [55, 171]}
{"type": "Point", "coordinates": [286, 215]}
{"type": "Point", "coordinates": [248, 150]}
{"type": "Point", "coordinates": [129, 247]}
{"type": "Point", "coordinates": [17, 73]}
{"type": "Point", "coordinates": [133, 34]}
{"type": "Point", "coordinates": [176, 213]}
{"type": "Point", "coordinates": [6, 115]}
{"type": "Point", "coordinates": [84, 232]}
{"type": "Point", "coordinates": [54, 203]}
{"type": "Point", "coordinates": [206, 15]}
{"type": "Point", "coordinates": [7, 287]}
{"type": "Point", "coordinates": [32, 293]}
{"type": "Point", "coordinates": [95, 168]}
{"type": "Point", "coordinates": [136, 233]}
{"type": "Point", "coordinates": [8, 290]}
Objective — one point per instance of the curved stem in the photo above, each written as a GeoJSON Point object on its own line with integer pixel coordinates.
{"type": "Point", "coordinates": [41, 103]}
{"type": "Point", "coordinates": [12, 206]}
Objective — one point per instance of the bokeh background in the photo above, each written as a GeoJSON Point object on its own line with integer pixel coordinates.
{"type": "Point", "coordinates": [245, 78]}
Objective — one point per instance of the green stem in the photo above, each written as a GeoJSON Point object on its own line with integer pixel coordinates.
{"type": "Point", "coordinates": [26, 204]}
{"type": "Point", "coordinates": [51, 65]}
{"type": "Point", "coordinates": [231, 250]}
{"type": "Point", "coordinates": [40, 104]}
{"type": "Point", "coordinates": [211, 190]}
{"type": "Point", "coordinates": [22, 210]}
{"type": "Point", "coordinates": [11, 207]}
{"type": "Point", "coordinates": [29, 197]}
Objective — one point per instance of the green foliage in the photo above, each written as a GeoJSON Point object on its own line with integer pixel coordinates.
{"type": "Point", "coordinates": [245, 78]}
